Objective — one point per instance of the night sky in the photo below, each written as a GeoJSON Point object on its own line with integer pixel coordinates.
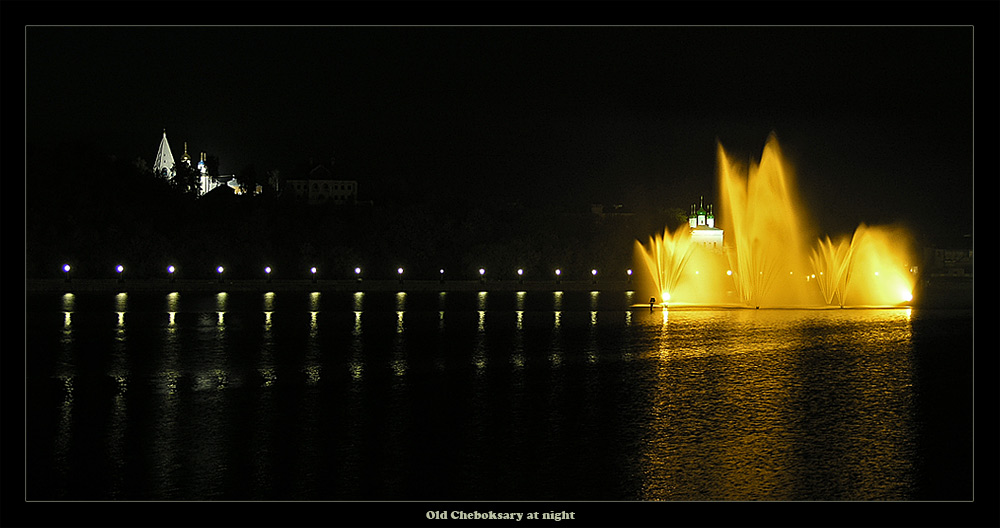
{"type": "Point", "coordinates": [877, 121]}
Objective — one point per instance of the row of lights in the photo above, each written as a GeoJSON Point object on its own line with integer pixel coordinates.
{"type": "Point", "coordinates": [357, 273]}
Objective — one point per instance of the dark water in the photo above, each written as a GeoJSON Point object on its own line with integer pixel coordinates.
{"type": "Point", "coordinates": [498, 396]}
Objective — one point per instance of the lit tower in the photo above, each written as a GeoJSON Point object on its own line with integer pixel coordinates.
{"type": "Point", "coordinates": [164, 164]}
{"type": "Point", "coordinates": [207, 182]}
{"type": "Point", "coordinates": [185, 158]}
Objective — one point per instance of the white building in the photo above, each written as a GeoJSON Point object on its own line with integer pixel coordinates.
{"type": "Point", "coordinates": [702, 224]}
{"type": "Point", "coordinates": [164, 167]}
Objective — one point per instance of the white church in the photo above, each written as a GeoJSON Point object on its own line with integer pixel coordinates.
{"type": "Point", "coordinates": [702, 224]}
{"type": "Point", "coordinates": [165, 167]}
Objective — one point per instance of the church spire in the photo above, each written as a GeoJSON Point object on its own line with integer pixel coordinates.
{"type": "Point", "coordinates": [163, 165]}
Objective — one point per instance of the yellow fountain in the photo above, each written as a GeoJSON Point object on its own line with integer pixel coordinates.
{"type": "Point", "coordinates": [766, 260]}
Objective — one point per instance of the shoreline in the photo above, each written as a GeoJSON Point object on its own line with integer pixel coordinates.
{"type": "Point", "coordinates": [934, 294]}
{"type": "Point", "coordinates": [263, 286]}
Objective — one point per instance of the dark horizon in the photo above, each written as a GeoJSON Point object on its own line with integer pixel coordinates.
{"type": "Point", "coordinates": [868, 117]}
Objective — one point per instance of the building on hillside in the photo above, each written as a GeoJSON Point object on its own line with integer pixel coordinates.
{"type": "Point", "coordinates": [319, 187]}
{"type": "Point", "coordinates": [702, 224]}
{"type": "Point", "coordinates": [165, 167]}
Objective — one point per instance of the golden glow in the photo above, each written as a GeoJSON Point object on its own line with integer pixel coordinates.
{"type": "Point", "coordinates": [314, 301]}
{"type": "Point", "coordinates": [269, 301]}
{"type": "Point", "coordinates": [269, 376]}
{"type": "Point", "coordinates": [399, 367]}
{"type": "Point", "coordinates": [312, 374]}
{"type": "Point", "coordinates": [172, 299]}
{"type": "Point", "coordinates": [67, 302]}
{"type": "Point", "coordinates": [359, 298]}
{"type": "Point", "coordinates": [220, 301]}
{"type": "Point", "coordinates": [665, 296]}
{"type": "Point", "coordinates": [765, 230]}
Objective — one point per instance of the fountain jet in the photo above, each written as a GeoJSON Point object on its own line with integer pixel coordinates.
{"type": "Point", "coordinates": [767, 258]}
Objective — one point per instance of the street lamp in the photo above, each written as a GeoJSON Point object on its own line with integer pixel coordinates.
{"type": "Point", "coordinates": [170, 270]}
{"type": "Point", "coordinates": [399, 271]}
{"type": "Point", "coordinates": [482, 275]}
{"type": "Point", "coordinates": [520, 276]}
{"type": "Point", "coordinates": [442, 276]}
{"type": "Point", "coordinates": [66, 271]}
{"type": "Point", "coordinates": [558, 275]}
{"type": "Point", "coordinates": [220, 269]}
{"type": "Point", "coordinates": [357, 273]}
{"type": "Point", "coordinates": [629, 272]}
{"type": "Point", "coordinates": [594, 273]}
{"type": "Point", "coordinates": [313, 271]}
{"type": "Point", "coordinates": [121, 273]}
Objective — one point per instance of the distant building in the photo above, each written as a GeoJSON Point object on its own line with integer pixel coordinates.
{"type": "Point", "coordinates": [616, 210]}
{"type": "Point", "coordinates": [702, 224]}
{"type": "Point", "coordinates": [955, 260]}
{"type": "Point", "coordinates": [319, 187]}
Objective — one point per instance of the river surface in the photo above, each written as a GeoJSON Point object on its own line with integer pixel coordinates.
{"type": "Point", "coordinates": [490, 396]}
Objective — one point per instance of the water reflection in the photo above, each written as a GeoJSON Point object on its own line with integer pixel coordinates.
{"type": "Point", "coordinates": [708, 404]}
{"type": "Point", "coordinates": [786, 406]}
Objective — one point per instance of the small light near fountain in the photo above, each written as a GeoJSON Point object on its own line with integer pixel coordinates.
{"type": "Point", "coordinates": [558, 275]}
{"type": "Point", "coordinates": [66, 271]}
{"type": "Point", "coordinates": [729, 272]}
{"type": "Point", "coordinates": [399, 271]}
{"type": "Point", "coordinates": [267, 271]}
{"type": "Point", "coordinates": [220, 269]}
{"type": "Point", "coordinates": [121, 273]}
{"type": "Point", "coordinates": [171, 269]}
{"type": "Point", "coordinates": [629, 273]}
{"type": "Point", "coordinates": [313, 271]}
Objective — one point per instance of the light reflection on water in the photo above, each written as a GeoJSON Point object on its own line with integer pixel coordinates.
{"type": "Point", "coordinates": [715, 404]}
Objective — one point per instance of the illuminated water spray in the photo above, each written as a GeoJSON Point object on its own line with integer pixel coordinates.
{"type": "Point", "coordinates": [766, 258]}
